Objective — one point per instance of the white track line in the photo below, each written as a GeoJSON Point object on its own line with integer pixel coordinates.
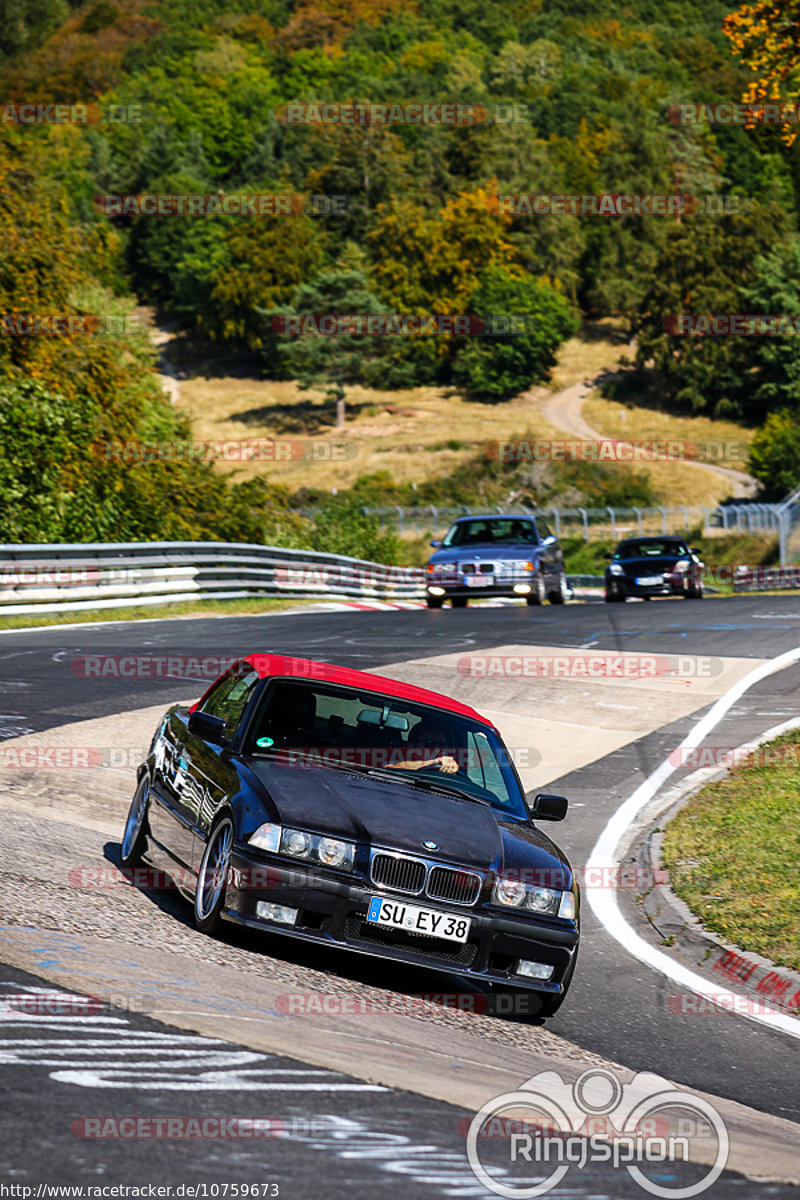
{"type": "Point", "coordinates": [606, 852]}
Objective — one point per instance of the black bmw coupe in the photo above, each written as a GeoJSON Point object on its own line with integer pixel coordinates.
{"type": "Point", "coordinates": [345, 808]}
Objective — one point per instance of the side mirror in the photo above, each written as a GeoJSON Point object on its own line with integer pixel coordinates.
{"type": "Point", "coordinates": [546, 807]}
{"type": "Point", "coordinates": [210, 729]}
{"type": "Point", "coordinates": [436, 544]}
{"type": "Point", "coordinates": [608, 556]}
{"type": "Point", "coordinates": [699, 553]}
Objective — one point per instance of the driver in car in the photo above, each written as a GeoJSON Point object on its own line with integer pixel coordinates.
{"type": "Point", "coordinates": [426, 737]}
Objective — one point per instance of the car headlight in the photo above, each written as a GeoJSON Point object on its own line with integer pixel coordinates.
{"type": "Point", "coordinates": [682, 565]}
{"type": "Point", "coordinates": [334, 853]}
{"type": "Point", "coordinates": [296, 843]}
{"type": "Point", "coordinates": [316, 847]}
{"type": "Point", "coordinates": [616, 569]}
{"type": "Point", "coordinates": [512, 893]}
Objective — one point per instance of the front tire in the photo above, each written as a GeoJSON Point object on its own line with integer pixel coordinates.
{"type": "Point", "coordinates": [135, 835]}
{"type": "Point", "coordinates": [212, 878]}
{"type": "Point", "coordinates": [561, 594]}
{"type": "Point", "coordinates": [434, 601]}
{"type": "Point", "coordinates": [537, 597]}
{"type": "Point", "coordinates": [459, 602]}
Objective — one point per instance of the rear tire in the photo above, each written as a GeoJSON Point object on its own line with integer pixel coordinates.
{"type": "Point", "coordinates": [135, 835]}
{"type": "Point", "coordinates": [212, 878]}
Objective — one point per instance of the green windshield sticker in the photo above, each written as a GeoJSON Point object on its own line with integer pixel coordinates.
{"type": "Point", "coordinates": [265, 742]}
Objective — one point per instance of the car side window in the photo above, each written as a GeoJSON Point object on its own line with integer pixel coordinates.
{"type": "Point", "coordinates": [482, 768]}
{"type": "Point", "coordinates": [229, 699]}
{"type": "Point", "coordinates": [544, 529]}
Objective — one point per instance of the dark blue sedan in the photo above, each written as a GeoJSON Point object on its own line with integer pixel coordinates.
{"type": "Point", "coordinates": [511, 555]}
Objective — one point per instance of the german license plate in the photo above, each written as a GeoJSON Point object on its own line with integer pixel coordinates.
{"type": "Point", "coordinates": [396, 914]}
{"type": "Point", "coordinates": [649, 580]}
{"type": "Point", "coordinates": [477, 580]}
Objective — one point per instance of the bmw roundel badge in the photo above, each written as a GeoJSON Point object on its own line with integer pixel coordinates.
{"type": "Point", "coordinates": [430, 845]}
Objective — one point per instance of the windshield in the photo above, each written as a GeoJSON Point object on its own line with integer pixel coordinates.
{"type": "Point", "coordinates": [508, 531]}
{"type": "Point", "coordinates": [320, 724]}
{"type": "Point", "coordinates": [668, 548]}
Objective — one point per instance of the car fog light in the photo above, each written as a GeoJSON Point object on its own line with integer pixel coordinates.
{"type": "Point", "coordinates": [534, 970]}
{"type": "Point", "coordinates": [436, 591]}
{"type": "Point", "coordinates": [522, 589]}
{"type": "Point", "coordinates": [276, 912]}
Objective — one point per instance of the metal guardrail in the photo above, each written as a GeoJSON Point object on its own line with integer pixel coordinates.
{"type": "Point", "coordinates": [41, 578]}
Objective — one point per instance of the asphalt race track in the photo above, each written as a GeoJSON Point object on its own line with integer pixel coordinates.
{"type": "Point", "coordinates": [337, 1132]}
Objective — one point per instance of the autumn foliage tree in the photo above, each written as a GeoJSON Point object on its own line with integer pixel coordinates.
{"type": "Point", "coordinates": [764, 35]}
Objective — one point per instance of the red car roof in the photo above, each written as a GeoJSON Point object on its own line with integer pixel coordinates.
{"type": "Point", "coordinates": [269, 665]}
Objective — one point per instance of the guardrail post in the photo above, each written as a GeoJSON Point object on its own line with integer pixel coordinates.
{"type": "Point", "coordinates": [686, 516]}
{"type": "Point", "coordinates": [610, 512]}
{"type": "Point", "coordinates": [399, 518]}
{"type": "Point", "coordinates": [707, 522]}
{"type": "Point", "coordinates": [638, 512]}
{"type": "Point", "coordinates": [663, 520]}
{"type": "Point", "coordinates": [783, 534]}
{"type": "Point", "coordinates": [585, 516]}
{"type": "Point", "coordinates": [556, 521]}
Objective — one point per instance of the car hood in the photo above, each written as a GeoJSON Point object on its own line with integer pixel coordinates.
{"type": "Point", "coordinates": [491, 550]}
{"type": "Point", "coordinates": [400, 816]}
{"type": "Point", "coordinates": [651, 565]}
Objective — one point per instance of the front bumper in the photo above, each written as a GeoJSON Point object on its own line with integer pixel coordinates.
{"type": "Point", "coordinates": [619, 585]}
{"type": "Point", "coordinates": [489, 586]}
{"type": "Point", "coordinates": [332, 911]}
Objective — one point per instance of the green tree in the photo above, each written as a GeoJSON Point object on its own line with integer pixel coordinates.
{"type": "Point", "coordinates": [703, 269]}
{"type": "Point", "coordinates": [498, 365]}
{"type": "Point", "coordinates": [330, 362]}
{"type": "Point", "coordinates": [775, 454]}
{"type": "Point", "coordinates": [774, 375]}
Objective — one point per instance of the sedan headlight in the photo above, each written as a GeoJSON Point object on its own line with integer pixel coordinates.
{"type": "Point", "coordinates": [316, 847]}
{"type": "Point", "coordinates": [334, 853]}
{"type": "Point", "coordinates": [296, 843]}
{"type": "Point", "coordinates": [512, 893]}
{"type": "Point", "coordinates": [616, 569]}
{"type": "Point", "coordinates": [682, 565]}
{"type": "Point", "coordinates": [311, 847]}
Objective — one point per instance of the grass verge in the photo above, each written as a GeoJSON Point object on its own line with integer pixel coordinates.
{"type": "Point", "coordinates": [156, 612]}
{"type": "Point", "coordinates": [732, 853]}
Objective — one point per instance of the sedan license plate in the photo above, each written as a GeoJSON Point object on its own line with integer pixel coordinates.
{"type": "Point", "coordinates": [395, 914]}
{"type": "Point", "coordinates": [649, 580]}
{"type": "Point", "coordinates": [478, 580]}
